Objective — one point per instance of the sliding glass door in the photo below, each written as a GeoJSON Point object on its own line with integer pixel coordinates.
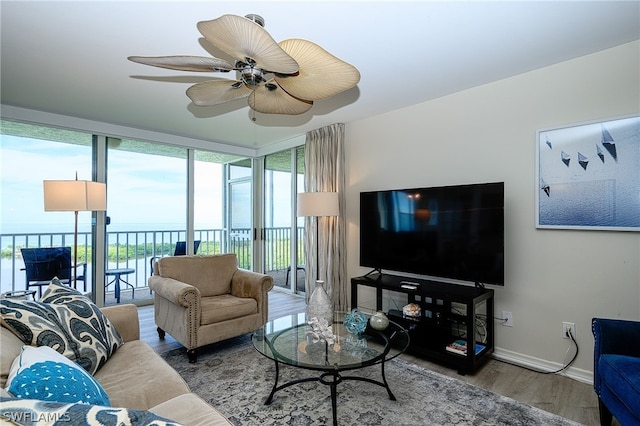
{"type": "Point", "coordinates": [209, 203]}
{"type": "Point", "coordinates": [240, 211]}
{"type": "Point", "coordinates": [283, 243]}
{"type": "Point", "coordinates": [146, 210]}
{"type": "Point", "coordinates": [157, 196]}
{"type": "Point", "coordinates": [29, 155]}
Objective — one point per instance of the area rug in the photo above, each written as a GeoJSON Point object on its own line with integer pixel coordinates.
{"type": "Point", "coordinates": [233, 377]}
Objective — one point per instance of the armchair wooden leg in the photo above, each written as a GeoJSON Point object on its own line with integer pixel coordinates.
{"type": "Point", "coordinates": [193, 355]}
{"type": "Point", "coordinates": [161, 333]}
{"type": "Point", "coordinates": [605, 415]}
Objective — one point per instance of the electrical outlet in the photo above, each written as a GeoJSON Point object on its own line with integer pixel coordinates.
{"type": "Point", "coordinates": [507, 319]}
{"type": "Point", "coordinates": [566, 326]}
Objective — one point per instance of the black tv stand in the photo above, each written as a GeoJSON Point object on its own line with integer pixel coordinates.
{"type": "Point", "coordinates": [449, 312]}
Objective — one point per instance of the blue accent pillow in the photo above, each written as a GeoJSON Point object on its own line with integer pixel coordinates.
{"type": "Point", "coordinates": [44, 374]}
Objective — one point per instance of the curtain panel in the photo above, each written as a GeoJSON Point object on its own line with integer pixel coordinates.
{"type": "Point", "coordinates": [324, 172]}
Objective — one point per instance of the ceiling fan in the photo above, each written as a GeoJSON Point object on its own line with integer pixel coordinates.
{"type": "Point", "coordinates": [276, 78]}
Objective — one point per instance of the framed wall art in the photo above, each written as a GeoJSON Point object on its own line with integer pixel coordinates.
{"type": "Point", "coordinates": [588, 176]}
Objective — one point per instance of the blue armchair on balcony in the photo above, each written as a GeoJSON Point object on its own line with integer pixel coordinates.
{"type": "Point", "coordinates": [617, 370]}
{"type": "Point", "coordinates": [42, 264]}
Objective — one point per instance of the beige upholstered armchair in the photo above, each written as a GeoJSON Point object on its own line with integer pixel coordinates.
{"type": "Point", "coordinates": [204, 299]}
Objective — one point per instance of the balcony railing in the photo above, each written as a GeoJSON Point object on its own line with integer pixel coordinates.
{"type": "Point", "coordinates": [135, 249]}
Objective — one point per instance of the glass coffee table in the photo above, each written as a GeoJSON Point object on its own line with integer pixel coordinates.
{"type": "Point", "coordinates": [285, 341]}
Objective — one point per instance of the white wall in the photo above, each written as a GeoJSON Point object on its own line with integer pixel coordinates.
{"type": "Point", "coordinates": [488, 134]}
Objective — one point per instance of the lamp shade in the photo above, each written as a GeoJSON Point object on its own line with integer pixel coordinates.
{"type": "Point", "coordinates": [74, 195]}
{"type": "Point", "coordinates": [318, 204]}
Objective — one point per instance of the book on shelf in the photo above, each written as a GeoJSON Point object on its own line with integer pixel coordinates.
{"type": "Point", "coordinates": [460, 347]}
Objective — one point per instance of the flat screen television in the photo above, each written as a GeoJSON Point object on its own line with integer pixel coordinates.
{"type": "Point", "coordinates": [454, 232]}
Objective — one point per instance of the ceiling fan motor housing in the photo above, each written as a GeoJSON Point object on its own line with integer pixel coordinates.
{"type": "Point", "coordinates": [250, 74]}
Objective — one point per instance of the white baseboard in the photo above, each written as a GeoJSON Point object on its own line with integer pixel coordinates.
{"type": "Point", "coordinates": [523, 360]}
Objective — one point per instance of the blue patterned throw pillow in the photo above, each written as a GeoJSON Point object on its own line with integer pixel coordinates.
{"type": "Point", "coordinates": [42, 373]}
{"type": "Point", "coordinates": [65, 320]}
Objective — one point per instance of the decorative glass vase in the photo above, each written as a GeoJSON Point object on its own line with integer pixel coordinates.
{"type": "Point", "coordinates": [320, 305]}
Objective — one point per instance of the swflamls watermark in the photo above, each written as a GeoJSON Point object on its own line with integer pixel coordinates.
{"type": "Point", "coordinates": [22, 417]}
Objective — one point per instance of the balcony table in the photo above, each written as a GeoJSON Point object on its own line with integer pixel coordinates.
{"type": "Point", "coordinates": [117, 274]}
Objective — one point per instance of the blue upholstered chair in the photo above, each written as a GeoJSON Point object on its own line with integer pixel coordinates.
{"type": "Point", "coordinates": [617, 370]}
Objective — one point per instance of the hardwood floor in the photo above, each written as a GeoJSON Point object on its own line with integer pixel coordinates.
{"type": "Point", "coordinates": [550, 392]}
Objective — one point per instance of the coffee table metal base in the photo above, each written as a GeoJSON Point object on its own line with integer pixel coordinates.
{"type": "Point", "coordinates": [330, 378]}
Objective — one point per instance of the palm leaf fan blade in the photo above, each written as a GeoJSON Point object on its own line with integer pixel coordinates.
{"type": "Point", "coordinates": [215, 92]}
{"type": "Point", "coordinates": [321, 74]}
{"type": "Point", "coordinates": [243, 38]}
{"type": "Point", "coordinates": [184, 63]}
{"type": "Point", "coordinates": [271, 99]}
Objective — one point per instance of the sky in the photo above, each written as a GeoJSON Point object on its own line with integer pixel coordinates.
{"type": "Point", "coordinates": [144, 191]}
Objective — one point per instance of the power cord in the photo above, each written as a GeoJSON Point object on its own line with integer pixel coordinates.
{"type": "Point", "coordinates": [560, 370]}
{"type": "Point", "coordinates": [501, 319]}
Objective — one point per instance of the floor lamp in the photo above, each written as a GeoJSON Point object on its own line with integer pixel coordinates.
{"type": "Point", "coordinates": [317, 204]}
{"type": "Point", "coordinates": [74, 195]}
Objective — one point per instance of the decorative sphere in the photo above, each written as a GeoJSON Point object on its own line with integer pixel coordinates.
{"type": "Point", "coordinates": [379, 321]}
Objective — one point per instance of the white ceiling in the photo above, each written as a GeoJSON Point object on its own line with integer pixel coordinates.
{"type": "Point", "coordinates": [70, 58]}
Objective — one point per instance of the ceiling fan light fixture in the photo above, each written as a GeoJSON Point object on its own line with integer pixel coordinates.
{"type": "Point", "coordinates": [277, 78]}
{"type": "Point", "coordinates": [252, 76]}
